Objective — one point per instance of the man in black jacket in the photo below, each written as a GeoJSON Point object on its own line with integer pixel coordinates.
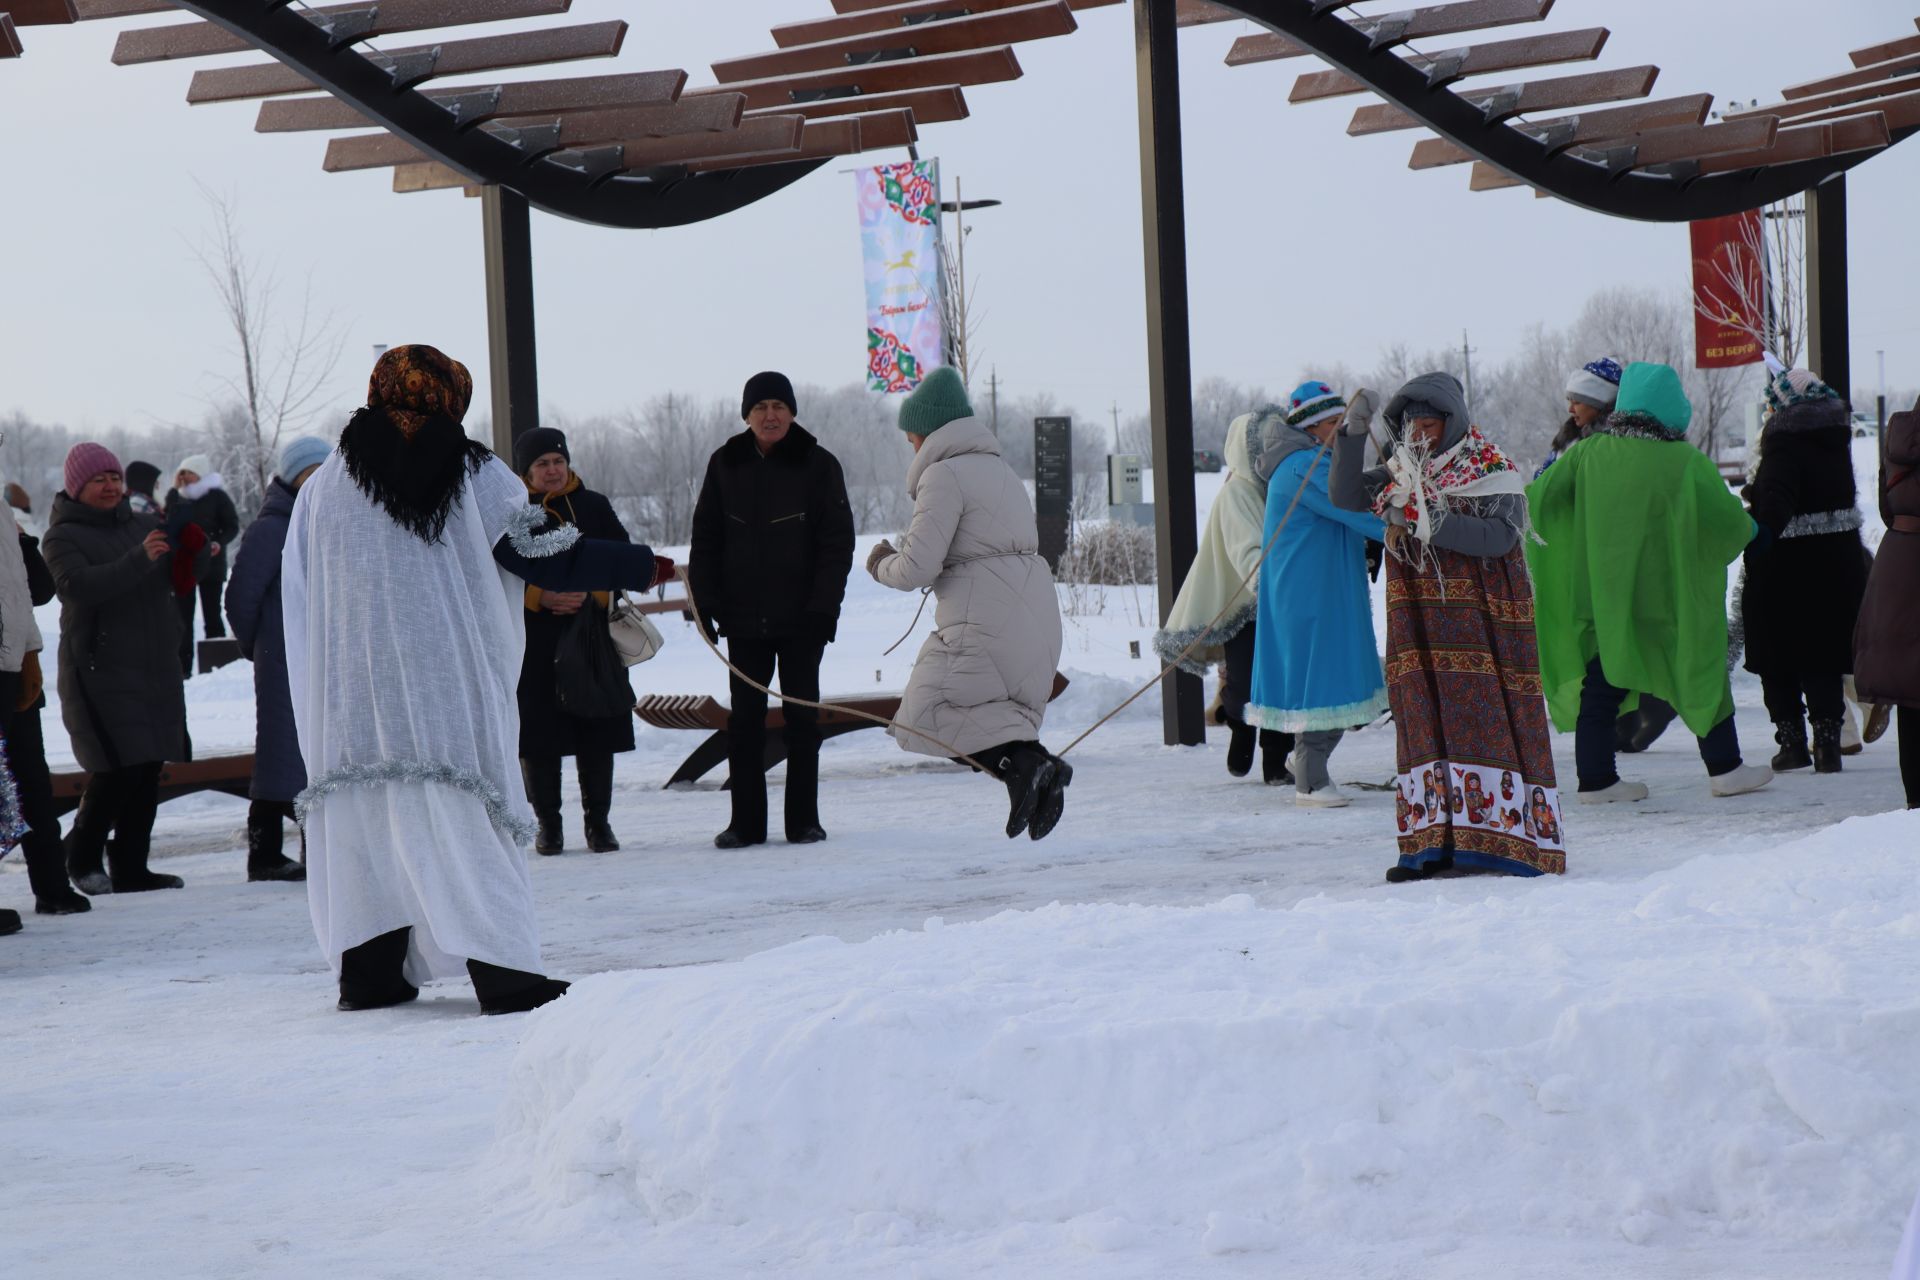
{"type": "Point", "coordinates": [772, 547]}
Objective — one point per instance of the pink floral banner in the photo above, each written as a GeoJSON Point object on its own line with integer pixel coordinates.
{"type": "Point", "coordinates": [900, 244]}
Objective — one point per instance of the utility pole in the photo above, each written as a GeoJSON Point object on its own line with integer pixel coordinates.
{"type": "Point", "coordinates": [1466, 356]}
{"type": "Point", "coordinates": [1116, 426]}
{"type": "Point", "coordinates": [993, 391]}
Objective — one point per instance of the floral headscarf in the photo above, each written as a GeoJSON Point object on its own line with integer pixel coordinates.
{"type": "Point", "coordinates": [416, 382]}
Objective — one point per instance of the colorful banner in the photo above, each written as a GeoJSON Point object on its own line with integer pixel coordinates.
{"type": "Point", "coordinates": [1729, 291]}
{"type": "Point", "coordinates": [900, 242]}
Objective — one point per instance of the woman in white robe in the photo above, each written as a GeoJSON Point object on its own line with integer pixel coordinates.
{"type": "Point", "coordinates": [402, 584]}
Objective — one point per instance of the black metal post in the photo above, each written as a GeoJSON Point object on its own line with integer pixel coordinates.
{"type": "Point", "coordinates": [1169, 347]}
{"type": "Point", "coordinates": [511, 354]}
{"type": "Point", "coordinates": [1829, 351]}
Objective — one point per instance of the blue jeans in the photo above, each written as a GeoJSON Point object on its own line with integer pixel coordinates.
{"type": "Point", "coordinates": [1594, 741]}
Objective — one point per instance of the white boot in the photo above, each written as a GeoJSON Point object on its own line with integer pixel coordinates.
{"type": "Point", "coordinates": [1621, 791]}
{"type": "Point", "coordinates": [1327, 797]}
{"type": "Point", "coordinates": [1748, 777]}
{"type": "Point", "coordinates": [1850, 743]}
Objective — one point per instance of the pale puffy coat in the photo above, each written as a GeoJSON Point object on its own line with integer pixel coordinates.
{"type": "Point", "coordinates": [984, 675]}
{"type": "Point", "coordinates": [1222, 589]}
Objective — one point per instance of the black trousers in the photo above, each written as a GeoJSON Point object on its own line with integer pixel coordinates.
{"type": "Point", "coordinates": [798, 661]}
{"type": "Point", "coordinates": [593, 768]}
{"type": "Point", "coordinates": [373, 971]}
{"type": "Point", "coordinates": [27, 760]}
{"type": "Point", "coordinates": [1236, 682]}
{"type": "Point", "coordinates": [121, 803]}
{"type": "Point", "coordinates": [1595, 741]}
{"type": "Point", "coordinates": [209, 592]}
{"type": "Point", "coordinates": [1825, 695]}
{"type": "Point", "coordinates": [1907, 720]}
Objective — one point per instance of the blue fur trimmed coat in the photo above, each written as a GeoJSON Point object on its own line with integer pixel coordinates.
{"type": "Point", "coordinates": [1316, 663]}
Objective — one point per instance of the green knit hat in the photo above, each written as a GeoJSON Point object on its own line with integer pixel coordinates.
{"type": "Point", "coordinates": [1655, 391]}
{"type": "Point", "coordinates": [939, 399]}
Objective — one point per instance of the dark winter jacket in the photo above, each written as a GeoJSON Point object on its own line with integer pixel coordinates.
{"type": "Point", "coordinates": [1886, 644]}
{"type": "Point", "coordinates": [1804, 584]}
{"type": "Point", "coordinates": [213, 511]}
{"type": "Point", "coordinates": [546, 730]}
{"type": "Point", "coordinates": [253, 607]}
{"type": "Point", "coordinates": [121, 692]}
{"type": "Point", "coordinates": [772, 539]}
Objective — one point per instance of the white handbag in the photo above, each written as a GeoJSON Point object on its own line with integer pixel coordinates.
{"type": "Point", "coordinates": [635, 638]}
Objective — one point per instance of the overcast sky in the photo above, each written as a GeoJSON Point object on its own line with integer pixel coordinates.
{"type": "Point", "coordinates": [1307, 245]}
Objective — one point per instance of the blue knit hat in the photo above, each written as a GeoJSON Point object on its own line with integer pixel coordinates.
{"type": "Point", "coordinates": [1313, 402]}
{"type": "Point", "coordinates": [299, 453]}
{"type": "Point", "coordinates": [939, 399]}
{"type": "Point", "coordinates": [1596, 383]}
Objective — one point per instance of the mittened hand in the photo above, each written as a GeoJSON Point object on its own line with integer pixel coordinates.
{"type": "Point", "coordinates": [1361, 406]}
{"type": "Point", "coordinates": [663, 570]}
{"type": "Point", "coordinates": [880, 552]}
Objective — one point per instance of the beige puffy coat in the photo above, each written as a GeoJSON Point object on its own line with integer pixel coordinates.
{"type": "Point", "coordinates": [984, 675]}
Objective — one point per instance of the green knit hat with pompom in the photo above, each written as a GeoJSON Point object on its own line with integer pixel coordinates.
{"type": "Point", "coordinates": [939, 399]}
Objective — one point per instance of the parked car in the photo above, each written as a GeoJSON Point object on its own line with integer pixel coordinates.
{"type": "Point", "coordinates": [1208, 460]}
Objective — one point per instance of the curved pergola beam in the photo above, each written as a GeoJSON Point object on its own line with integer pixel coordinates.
{"type": "Point", "coordinates": [1682, 192]}
{"type": "Point", "coordinates": [671, 198]}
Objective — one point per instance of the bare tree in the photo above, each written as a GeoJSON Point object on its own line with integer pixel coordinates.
{"type": "Point", "coordinates": [283, 364]}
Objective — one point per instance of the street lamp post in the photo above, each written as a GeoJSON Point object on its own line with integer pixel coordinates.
{"type": "Point", "coordinates": [957, 332]}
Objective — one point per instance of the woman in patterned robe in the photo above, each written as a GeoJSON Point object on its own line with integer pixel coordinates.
{"type": "Point", "coordinates": [1476, 781]}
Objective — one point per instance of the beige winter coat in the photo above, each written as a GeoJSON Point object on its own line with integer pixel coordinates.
{"type": "Point", "coordinates": [983, 676]}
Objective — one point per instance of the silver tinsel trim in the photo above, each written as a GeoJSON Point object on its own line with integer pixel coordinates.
{"type": "Point", "coordinates": [1170, 644]}
{"type": "Point", "coordinates": [1737, 620]}
{"type": "Point", "coordinates": [13, 825]}
{"type": "Point", "coordinates": [1813, 524]}
{"type": "Point", "coordinates": [520, 534]}
{"type": "Point", "coordinates": [411, 771]}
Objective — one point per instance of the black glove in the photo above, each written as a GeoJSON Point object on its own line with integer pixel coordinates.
{"type": "Point", "coordinates": [1376, 556]}
{"type": "Point", "coordinates": [821, 627]}
{"type": "Point", "coordinates": [1763, 539]}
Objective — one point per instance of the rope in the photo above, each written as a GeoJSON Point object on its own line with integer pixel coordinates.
{"type": "Point", "coordinates": [924, 593]}
{"type": "Point", "coordinates": [700, 622]}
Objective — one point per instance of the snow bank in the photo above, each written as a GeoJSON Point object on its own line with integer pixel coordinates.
{"type": "Point", "coordinates": [1721, 1050]}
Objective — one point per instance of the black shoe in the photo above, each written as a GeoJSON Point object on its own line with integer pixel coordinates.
{"type": "Point", "coordinates": [528, 997]}
{"type": "Point", "coordinates": [1240, 749]}
{"type": "Point", "coordinates": [1400, 875]}
{"type": "Point", "coordinates": [9, 922]}
{"type": "Point", "coordinates": [1826, 746]}
{"type": "Point", "coordinates": [1028, 772]}
{"type": "Point", "coordinates": [93, 883]}
{"type": "Point", "coordinates": [355, 1001]}
{"type": "Point", "coordinates": [64, 903]}
{"type": "Point", "coordinates": [281, 869]}
{"type": "Point", "coordinates": [1273, 759]}
{"type": "Point", "coordinates": [1792, 737]}
{"type": "Point", "coordinates": [731, 839]}
{"type": "Point", "coordinates": [1053, 803]}
{"type": "Point", "coordinates": [600, 837]}
{"type": "Point", "coordinates": [143, 881]}
{"type": "Point", "coordinates": [550, 839]}
{"type": "Point", "coordinates": [807, 835]}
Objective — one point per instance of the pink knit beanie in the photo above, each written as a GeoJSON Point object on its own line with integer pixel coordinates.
{"type": "Point", "coordinates": [84, 462]}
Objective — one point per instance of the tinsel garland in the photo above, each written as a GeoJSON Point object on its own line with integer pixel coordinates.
{"type": "Point", "coordinates": [412, 771]}
{"type": "Point", "coordinates": [521, 536]}
{"type": "Point", "coordinates": [1816, 523]}
{"type": "Point", "coordinates": [13, 826]}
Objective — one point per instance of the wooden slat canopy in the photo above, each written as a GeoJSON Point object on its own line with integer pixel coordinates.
{"type": "Point", "coordinates": [1660, 160]}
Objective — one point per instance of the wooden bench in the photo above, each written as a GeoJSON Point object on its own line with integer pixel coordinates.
{"type": "Point", "coordinates": [700, 711]}
{"type": "Point", "coordinates": [229, 775]}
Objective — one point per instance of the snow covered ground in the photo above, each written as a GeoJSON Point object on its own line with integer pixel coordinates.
{"type": "Point", "coordinates": [1190, 1034]}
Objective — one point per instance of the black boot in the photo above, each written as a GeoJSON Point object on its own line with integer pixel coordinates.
{"type": "Point", "coordinates": [1028, 771]}
{"type": "Point", "coordinates": [53, 895]}
{"type": "Point", "coordinates": [127, 867]}
{"type": "Point", "coordinates": [511, 990]}
{"type": "Point", "coordinates": [1239, 747]}
{"type": "Point", "coordinates": [1826, 746]}
{"type": "Point", "coordinates": [1274, 749]}
{"type": "Point", "coordinates": [9, 922]}
{"type": "Point", "coordinates": [266, 839]}
{"type": "Point", "coordinates": [596, 800]}
{"type": "Point", "coordinates": [84, 862]}
{"type": "Point", "coordinates": [542, 777]}
{"type": "Point", "coordinates": [1792, 737]}
{"type": "Point", "coordinates": [1053, 802]}
{"type": "Point", "coordinates": [370, 974]}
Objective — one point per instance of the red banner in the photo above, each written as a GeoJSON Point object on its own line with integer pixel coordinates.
{"type": "Point", "coordinates": [1729, 291]}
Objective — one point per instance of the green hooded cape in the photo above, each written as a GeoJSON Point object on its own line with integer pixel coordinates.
{"type": "Point", "coordinates": [1638, 535]}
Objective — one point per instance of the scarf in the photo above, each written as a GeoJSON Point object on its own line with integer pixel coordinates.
{"type": "Point", "coordinates": [414, 476]}
{"type": "Point", "coordinates": [415, 383]}
{"type": "Point", "coordinates": [1424, 485]}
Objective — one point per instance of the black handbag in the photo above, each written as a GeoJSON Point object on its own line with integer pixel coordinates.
{"type": "Point", "coordinates": [589, 679]}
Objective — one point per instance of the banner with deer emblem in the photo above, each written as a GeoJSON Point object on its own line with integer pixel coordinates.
{"type": "Point", "coordinates": [900, 244]}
